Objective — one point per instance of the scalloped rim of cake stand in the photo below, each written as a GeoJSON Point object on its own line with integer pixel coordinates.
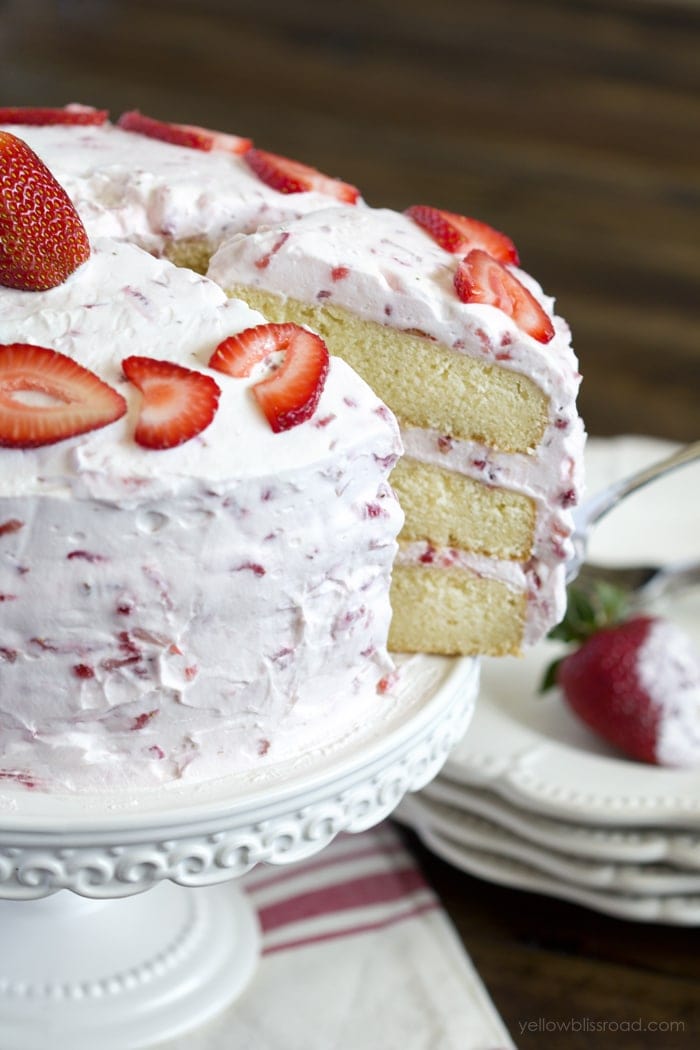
{"type": "Point", "coordinates": [162, 971]}
{"type": "Point", "coordinates": [113, 845]}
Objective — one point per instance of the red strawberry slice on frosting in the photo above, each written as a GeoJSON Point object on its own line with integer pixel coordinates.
{"type": "Point", "coordinates": [42, 240]}
{"type": "Point", "coordinates": [71, 114]}
{"type": "Point", "coordinates": [480, 278]}
{"type": "Point", "coordinates": [47, 397]}
{"type": "Point", "coordinates": [291, 176]}
{"type": "Point", "coordinates": [178, 403]}
{"type": "Point", "coordinates": [290, 393]}
{"type": "Point", "coordinates": [459, 233]}
{"type": "Point", "coordinates": [190, 135]}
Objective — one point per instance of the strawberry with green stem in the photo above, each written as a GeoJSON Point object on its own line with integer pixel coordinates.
{"type": "Point", "coordinates": [633, 680]}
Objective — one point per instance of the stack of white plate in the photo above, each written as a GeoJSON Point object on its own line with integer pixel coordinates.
{"type": "Point", "coordinates": [531, 798]}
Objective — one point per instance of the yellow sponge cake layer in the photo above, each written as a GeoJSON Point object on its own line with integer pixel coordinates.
{"type": "Point", "coordinates": [193, 253]}
{"type": "Point", "coordinates": [426, 384]}
{"type": "Point", "coordinates": [448, 610]}
{"type": "Point", "coordinates": [450, 510]}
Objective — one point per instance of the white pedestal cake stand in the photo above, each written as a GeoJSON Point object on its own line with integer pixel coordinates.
{"type": "Point", "coordinates": [108, 965]}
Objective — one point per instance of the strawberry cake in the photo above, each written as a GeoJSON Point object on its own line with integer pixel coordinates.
{"type": "Point", "coordinates": [431, 308]}
{"type": "Point", "coordinates": [196, 534]}
{"type": "Point", "coordinates": [433, 311]}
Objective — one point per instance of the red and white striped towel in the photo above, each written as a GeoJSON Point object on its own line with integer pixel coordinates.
{"type": "Point", "coordinates": [357, 954]}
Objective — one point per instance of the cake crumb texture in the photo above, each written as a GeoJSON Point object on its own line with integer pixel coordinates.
{"type": "Point", "coordinates": [448, 609]}
{"type": "Point", "coordinates": [449, 510]}
{"type": "Point", "coordinates": [426, 384]}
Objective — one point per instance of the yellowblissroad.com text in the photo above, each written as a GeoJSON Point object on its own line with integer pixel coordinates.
{"type": "Point", "coordinates": [597, 1024]}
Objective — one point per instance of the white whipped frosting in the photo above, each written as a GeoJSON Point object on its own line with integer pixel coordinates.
{"type": "Point", "coordinates": [382, 266]}
{"type": "Point", "coordinates": [129, 186]}
{"type": "Point", "coordinates": [668, 668]}
{"type": "Point", "coordinates": [188, 612]}
{"type": "Point", "coordinates": [122, 302]}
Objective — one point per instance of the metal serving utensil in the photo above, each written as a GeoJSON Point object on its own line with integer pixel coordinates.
{"type": "Point", "coordinates": [653, 580]}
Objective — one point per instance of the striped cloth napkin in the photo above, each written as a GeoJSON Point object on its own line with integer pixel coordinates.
{"type": "Point", "coordinates": [357, 954]}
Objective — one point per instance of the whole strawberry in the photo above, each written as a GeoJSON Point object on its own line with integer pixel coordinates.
{"type": "Point", "coordinates": [636, 683]}
{"type": "Point", "coordinates": [42, 240]}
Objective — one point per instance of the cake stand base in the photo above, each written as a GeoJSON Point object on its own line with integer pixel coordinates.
{"type": "Point", "coordinates": [88, 959]}
{"type": "Point", "coordinates": [124, 973]}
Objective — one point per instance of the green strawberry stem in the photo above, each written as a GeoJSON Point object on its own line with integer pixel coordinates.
{"type": "Point", "coordinates": [587, 612]}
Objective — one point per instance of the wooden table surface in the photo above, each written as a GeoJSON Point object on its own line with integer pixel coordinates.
{"type": "Point", "coordinates": [575, 127]}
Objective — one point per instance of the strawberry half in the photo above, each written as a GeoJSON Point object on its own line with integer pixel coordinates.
{"type": "Point", "coordinates": [178, 404]}
{"type": "Point", "coordinates": [64, 399]}
{"type": "Point", "coordinates": [42, 240]}
{"type": "Point", "coordinates": [459, 233]}
{"type": "Point", "coordinates": [290, 176]}
{"type": "Point", "coordinates": [479, 278]}
{"type": "Point", "coordinates": [189, 135]}
{"type": "Point", "coordinates": [289, 395]}
{"type": "Point", "coordinates": [72, 114]}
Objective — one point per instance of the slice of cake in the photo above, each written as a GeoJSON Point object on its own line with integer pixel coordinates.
{"type": "Point", "coordinates": [192, 583]}
{"type": "Point", "coordinates": [432, 310]}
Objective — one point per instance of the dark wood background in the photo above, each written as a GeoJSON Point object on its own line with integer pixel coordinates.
{"type": "Point", "coordinates": [573, 126]}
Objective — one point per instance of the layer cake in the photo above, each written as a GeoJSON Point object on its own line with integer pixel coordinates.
{"type": "Point", "coordinates": [187, 611]}
{"type": "Point", "coordinates": [493, 443]}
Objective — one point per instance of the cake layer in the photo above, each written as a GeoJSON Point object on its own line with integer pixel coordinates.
{"type": "Point", "coordinates": [492, 437]}
{"type": "Point", "coordinates": [191, 611]}
{"type": "Point", "coordinates": [450, 510]}
{"type": "Point", "coordinates": [450, 608]}
{"type": "Point", "coordinates": [452, 393]}
{"type": "Point", "coordinates": [382, 267]}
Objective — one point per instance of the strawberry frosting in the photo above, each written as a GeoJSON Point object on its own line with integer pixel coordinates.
{"type": "Point", "coordinates": [189, 612]}
{"type": "Point", "coordinates": [668, 669]}
{"type": "Point", "coordinates": [383, 267]}
{"type": "Point", "coordinates": [129, 186]}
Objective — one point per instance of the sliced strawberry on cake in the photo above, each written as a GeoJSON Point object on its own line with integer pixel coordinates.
{"type": "Point", "coordinates": [289, 394]}
{"type": "Point", "coordinates": [47, 397]}
{"type": "Point", "coordinates": [459, 234]}
{"type": "Point", "coordinates": [482, 279]}
{"type": "Point", "coordinates": [189, 135]}
{"type": "Point", "coordinates": [291, 176]}
{"type": "Point", "coordinates": [178, 403]}
{"type": "Point", "coordinates": [42, 239]}
{"type": "Point", "coordinates": [73, 114]}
